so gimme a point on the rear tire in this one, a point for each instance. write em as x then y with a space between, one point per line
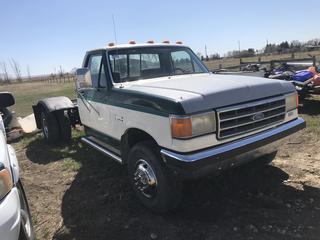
50 127
152 183
64 125
26 228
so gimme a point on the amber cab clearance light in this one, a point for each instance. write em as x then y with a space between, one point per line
179 42
132 42
166 41
150 41
111 44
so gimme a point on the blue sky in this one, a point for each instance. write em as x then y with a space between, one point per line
47 34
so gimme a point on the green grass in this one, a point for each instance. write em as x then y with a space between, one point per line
71 164
27 94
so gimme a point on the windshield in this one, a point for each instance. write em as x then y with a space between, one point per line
130 64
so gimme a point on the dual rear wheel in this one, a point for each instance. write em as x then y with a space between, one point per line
56 126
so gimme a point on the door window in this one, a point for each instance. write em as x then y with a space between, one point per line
94 65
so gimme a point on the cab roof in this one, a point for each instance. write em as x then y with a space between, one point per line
128 45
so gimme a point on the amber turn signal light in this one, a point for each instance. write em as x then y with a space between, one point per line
181 127
5 182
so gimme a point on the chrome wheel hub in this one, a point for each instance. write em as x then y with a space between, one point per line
145 179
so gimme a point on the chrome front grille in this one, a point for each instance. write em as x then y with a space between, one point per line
244 118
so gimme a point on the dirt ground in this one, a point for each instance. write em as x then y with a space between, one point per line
77 193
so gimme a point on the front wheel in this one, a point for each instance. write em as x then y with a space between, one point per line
152 183
26 228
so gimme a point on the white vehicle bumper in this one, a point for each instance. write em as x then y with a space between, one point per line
10 216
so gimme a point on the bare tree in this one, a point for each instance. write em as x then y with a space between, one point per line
61 72
28 72
5 72
16 69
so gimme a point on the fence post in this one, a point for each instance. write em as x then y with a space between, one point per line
240 64
314 61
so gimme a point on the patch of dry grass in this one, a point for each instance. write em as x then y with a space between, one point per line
28 93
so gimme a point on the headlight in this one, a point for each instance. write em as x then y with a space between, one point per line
5 181
191 126
292 102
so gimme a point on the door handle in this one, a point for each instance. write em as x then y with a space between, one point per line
119 118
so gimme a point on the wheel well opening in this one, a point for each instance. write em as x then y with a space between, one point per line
132 137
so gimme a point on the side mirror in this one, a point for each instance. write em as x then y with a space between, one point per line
6 100
83 78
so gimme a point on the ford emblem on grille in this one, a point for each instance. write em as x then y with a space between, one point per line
258 116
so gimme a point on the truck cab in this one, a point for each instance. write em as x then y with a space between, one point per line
156 108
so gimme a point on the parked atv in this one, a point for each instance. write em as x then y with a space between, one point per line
302 80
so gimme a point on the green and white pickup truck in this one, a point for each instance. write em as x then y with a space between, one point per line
157 109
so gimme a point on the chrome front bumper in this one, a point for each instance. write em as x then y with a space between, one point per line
231 154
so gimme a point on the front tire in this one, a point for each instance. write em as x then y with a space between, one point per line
152 183
26 228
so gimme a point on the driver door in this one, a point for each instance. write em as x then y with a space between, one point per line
92 99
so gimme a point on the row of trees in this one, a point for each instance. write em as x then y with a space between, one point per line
214 56
270 48
15 67
12 70
293 46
